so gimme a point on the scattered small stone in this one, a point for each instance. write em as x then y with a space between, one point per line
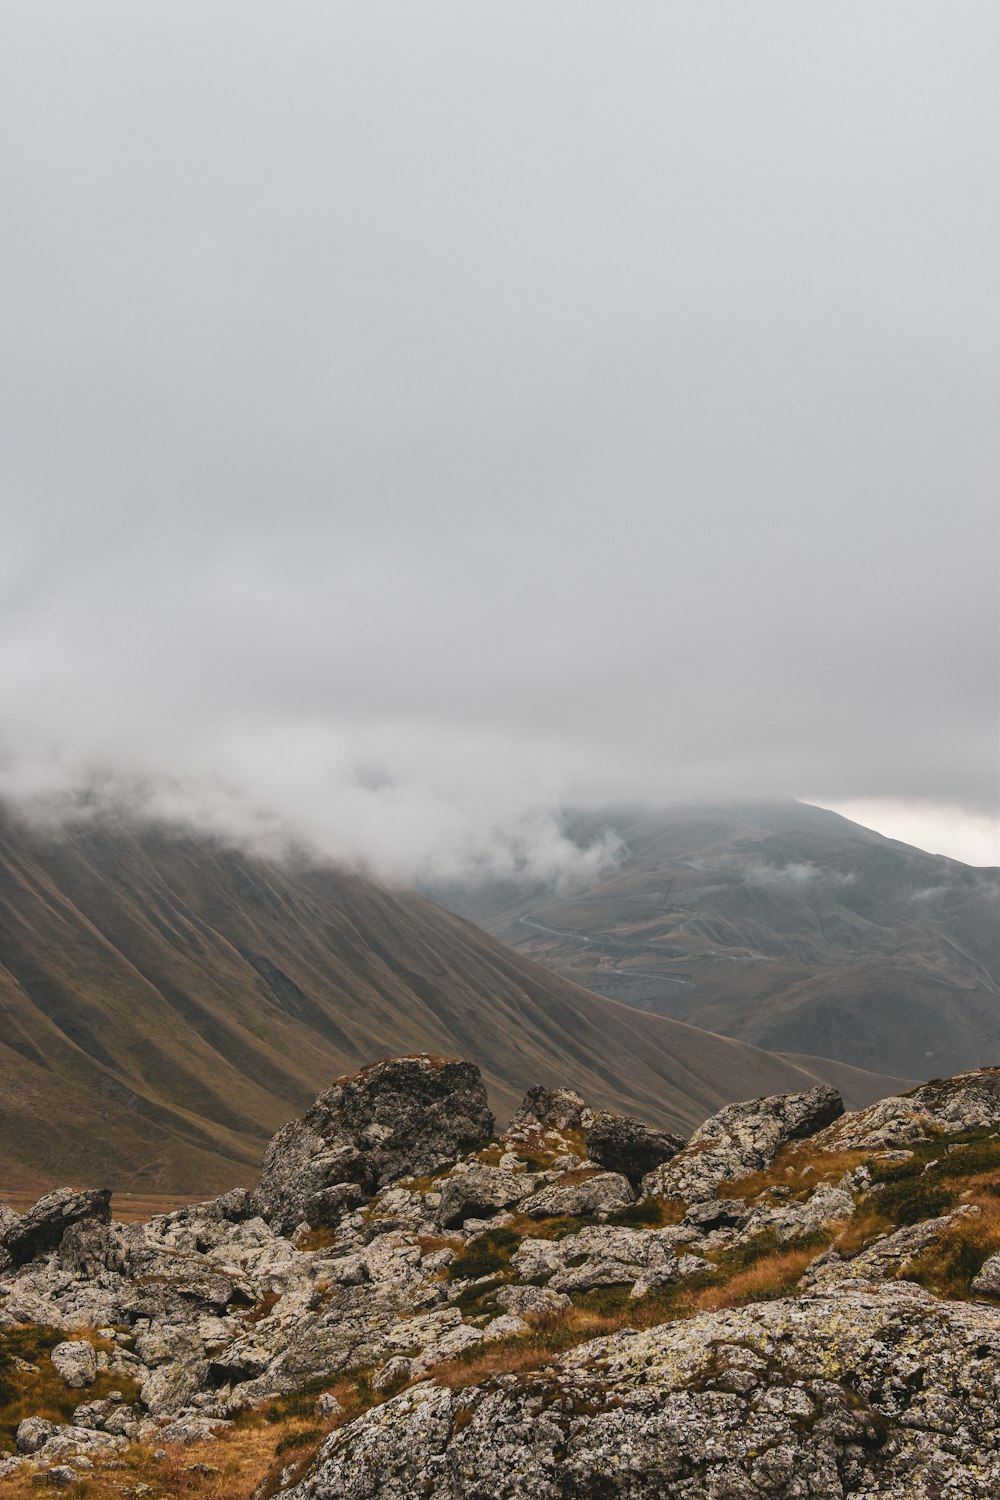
62 1476
76 1361
326 1406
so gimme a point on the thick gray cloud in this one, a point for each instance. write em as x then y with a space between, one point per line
416 417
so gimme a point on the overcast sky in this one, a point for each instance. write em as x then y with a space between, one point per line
415 418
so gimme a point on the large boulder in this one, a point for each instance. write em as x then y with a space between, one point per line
41 1229
987 1283
401 1117
76 1361
969 1101
33 1432
740 1139
630 1146
477 1191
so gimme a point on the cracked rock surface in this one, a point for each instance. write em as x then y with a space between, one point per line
862 1395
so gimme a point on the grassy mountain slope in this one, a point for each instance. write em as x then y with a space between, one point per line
787 926
165 1003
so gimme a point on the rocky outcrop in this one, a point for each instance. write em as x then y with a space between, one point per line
609 1256
796 1221
405 1116
987 1282
889 1258
969 1101
76 1361
630 1146
741 1139
553 1109
43 1226
891 1394
840 1373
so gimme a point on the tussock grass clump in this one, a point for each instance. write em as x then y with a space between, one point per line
317 1239
939 1177
261 1309
800 1167
949 1267
429 1243
485 1255
774 1274
649 1213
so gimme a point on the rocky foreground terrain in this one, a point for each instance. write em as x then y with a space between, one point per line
796 1302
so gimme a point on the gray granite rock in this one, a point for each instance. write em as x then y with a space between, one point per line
552 1109
987 1282
43 1226
402 1117
741 1139
476 1191
76 1361
602 1192
968 1101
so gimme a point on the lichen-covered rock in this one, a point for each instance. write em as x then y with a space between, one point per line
987 1283
532 1301
476 1191
740 1139
792 1221
43 1226
602 1192
969 1101
885 1259
76 1361
631 1147
402 1117
602 1255
892 1395
552 1109
325 1208
32 1432
717 1213
209 1310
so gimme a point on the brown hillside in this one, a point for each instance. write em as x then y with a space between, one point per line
165 1003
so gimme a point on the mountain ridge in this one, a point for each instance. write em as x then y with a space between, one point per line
785 925
166 1002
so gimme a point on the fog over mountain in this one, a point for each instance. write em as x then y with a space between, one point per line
416 422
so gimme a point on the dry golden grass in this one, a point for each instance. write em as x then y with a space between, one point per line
799 1167
429 1243
549 1337
650 1213
30 1386
774 1275
235 1463
951 1264
317 1239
